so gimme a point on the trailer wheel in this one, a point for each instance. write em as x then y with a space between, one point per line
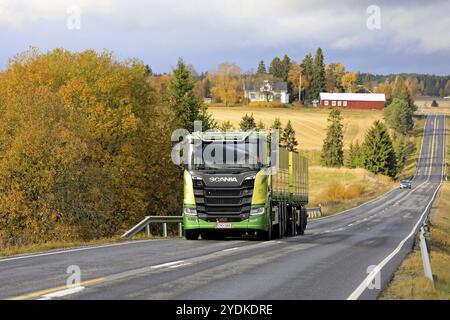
191 235
293 222
302 223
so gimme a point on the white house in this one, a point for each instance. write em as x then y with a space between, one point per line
266 91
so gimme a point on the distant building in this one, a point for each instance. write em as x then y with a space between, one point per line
266 91
363 101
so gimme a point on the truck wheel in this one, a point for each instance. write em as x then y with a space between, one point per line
191 235
293 222
302 223
266 235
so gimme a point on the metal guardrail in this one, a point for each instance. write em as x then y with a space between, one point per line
155 219
314 212
145 223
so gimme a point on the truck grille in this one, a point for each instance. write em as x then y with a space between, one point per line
224 201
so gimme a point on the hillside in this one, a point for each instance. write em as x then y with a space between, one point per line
309 124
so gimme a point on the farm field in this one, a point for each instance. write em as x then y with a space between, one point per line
309 124
424 105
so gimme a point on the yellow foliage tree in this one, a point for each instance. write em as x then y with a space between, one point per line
349 81
226 84
82 145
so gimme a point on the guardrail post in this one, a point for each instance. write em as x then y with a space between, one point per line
147 230
425 256
180 229
164 229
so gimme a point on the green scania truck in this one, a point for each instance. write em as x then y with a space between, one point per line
243 195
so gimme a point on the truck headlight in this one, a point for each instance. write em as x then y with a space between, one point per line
190 211
257 211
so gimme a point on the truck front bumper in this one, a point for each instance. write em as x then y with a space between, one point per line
256 223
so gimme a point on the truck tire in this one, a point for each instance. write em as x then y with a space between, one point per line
191 235
302 223
293 222
266 235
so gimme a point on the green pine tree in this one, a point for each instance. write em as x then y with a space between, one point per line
378 151
277 126
354 157
226 126
401 91
276 68
318 83
307 74
333 147
399 116
260 126
182 100
247 123
286 66
261 68
288 137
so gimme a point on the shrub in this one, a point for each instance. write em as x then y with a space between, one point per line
267 104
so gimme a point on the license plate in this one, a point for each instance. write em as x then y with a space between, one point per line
222 225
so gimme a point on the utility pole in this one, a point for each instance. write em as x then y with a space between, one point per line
300 87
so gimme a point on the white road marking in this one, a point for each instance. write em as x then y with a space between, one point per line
61 293
168 264
368 280
180 265
231 249
73 250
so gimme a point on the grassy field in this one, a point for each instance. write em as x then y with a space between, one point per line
424 105
339 189
309 123
409 281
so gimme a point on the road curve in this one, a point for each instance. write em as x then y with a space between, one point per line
333 260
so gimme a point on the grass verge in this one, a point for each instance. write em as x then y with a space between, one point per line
338 189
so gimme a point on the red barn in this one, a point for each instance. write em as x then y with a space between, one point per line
363 101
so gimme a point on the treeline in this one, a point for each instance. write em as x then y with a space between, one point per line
305 78
421 84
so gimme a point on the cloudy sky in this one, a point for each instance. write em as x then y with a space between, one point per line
409 36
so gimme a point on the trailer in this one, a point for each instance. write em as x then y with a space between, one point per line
243 198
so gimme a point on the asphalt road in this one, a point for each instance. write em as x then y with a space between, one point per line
331 261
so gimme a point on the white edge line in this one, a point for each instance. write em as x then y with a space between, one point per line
61 293
74 250
363 285
180 265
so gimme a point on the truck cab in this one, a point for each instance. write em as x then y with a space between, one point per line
229 189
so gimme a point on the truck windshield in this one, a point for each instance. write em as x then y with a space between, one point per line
226 155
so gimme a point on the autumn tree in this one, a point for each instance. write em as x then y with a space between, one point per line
350 81
332 154
399 116
333 77
226 83
82 140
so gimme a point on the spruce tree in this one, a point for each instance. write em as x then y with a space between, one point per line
260 126
285 67
261 68
277 126
354 157
185 104
318 83
288 137
333 147
401 91
307 74
247 123
378 151
276 68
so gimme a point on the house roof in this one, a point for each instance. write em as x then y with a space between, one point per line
255 86
353 96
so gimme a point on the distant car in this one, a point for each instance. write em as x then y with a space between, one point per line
405 184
